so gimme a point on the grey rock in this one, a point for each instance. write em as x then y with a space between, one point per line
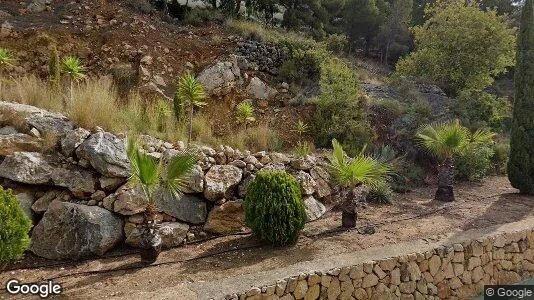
41 205
49 169
307 183
188 207
129 200
279 158
322 179
220 180
314 209
195 182
243 186
259 89
7 130
26 200
111 183
274 167
220 77
55 125
303 163
74 231
106 153
72 140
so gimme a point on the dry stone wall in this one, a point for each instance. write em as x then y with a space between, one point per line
456 271
86 173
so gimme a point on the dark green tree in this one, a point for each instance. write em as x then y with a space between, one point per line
394 36
521 164
362 21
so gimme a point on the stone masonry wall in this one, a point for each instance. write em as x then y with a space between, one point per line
457 271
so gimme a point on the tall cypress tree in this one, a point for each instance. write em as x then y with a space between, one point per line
521 164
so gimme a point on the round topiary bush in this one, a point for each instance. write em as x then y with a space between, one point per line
14 227
274 209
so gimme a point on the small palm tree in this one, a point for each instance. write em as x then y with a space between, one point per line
6 59
245 113
301 128
190 93
152 176
74 68
355 175
444 141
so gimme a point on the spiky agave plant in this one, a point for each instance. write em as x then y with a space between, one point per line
354 175
151 176
443 141
73 67
190 93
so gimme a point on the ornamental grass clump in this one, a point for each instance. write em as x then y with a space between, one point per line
14 228
274 209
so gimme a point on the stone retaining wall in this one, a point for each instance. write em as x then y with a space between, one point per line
455 271
85 173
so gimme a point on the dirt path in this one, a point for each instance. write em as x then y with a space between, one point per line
413 216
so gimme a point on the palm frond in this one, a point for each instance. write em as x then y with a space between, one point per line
178 172
6 58
73 66
143 167
444 139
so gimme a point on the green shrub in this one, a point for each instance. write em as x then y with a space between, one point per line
337 43
475 163
302 65
262 138
381 193
200 16
274 209
54 68
501 154
481 110
14 228
344 121
302 149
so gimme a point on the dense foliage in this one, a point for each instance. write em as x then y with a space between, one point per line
274 209
14 228
521 164
460 47
481 110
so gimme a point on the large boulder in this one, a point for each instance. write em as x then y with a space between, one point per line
306 182
74 231
16 142
226 218
48 169
314 209
41 205
25 117
221 77
259 89
129 200
106 153
322 179
195 182
173 234
220 180
188 207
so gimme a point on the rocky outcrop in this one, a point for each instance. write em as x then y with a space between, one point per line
259 89
226 218
72 140
221 77
47 169
219 181
73 231
106 153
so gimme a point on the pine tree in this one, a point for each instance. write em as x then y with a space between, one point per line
521 164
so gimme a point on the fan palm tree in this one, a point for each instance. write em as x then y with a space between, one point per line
445 140
355 175
151 177
190 93
74 68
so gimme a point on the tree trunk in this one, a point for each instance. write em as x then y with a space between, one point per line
445 190
351 197
190 125
150 240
